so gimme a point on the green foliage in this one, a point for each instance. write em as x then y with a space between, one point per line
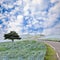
2 49
50 54
12 35
23 50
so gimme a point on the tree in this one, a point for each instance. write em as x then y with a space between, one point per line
12 35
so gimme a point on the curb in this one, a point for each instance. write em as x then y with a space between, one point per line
55 50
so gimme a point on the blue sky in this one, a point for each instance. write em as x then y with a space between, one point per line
30 16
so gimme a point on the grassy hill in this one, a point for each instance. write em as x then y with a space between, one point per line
22 50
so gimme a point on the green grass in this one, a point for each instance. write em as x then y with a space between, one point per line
22 50
52 39
50 54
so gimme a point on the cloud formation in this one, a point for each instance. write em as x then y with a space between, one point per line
32 16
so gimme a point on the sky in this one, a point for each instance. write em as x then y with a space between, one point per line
30 17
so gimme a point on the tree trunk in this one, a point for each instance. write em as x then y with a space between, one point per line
12 40
12 43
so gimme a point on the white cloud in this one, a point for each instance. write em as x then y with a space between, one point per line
52 31
47 31
48 18
0 26
52 16
16 25
1 1
35 6
19 2
55 9
52 1
56 30
20 18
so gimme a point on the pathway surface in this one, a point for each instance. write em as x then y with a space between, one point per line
56 46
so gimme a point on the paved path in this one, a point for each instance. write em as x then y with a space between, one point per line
56 46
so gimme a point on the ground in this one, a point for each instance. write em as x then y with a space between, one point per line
24 50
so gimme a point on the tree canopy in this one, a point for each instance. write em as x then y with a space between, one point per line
12 35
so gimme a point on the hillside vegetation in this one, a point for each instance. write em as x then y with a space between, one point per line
22 50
